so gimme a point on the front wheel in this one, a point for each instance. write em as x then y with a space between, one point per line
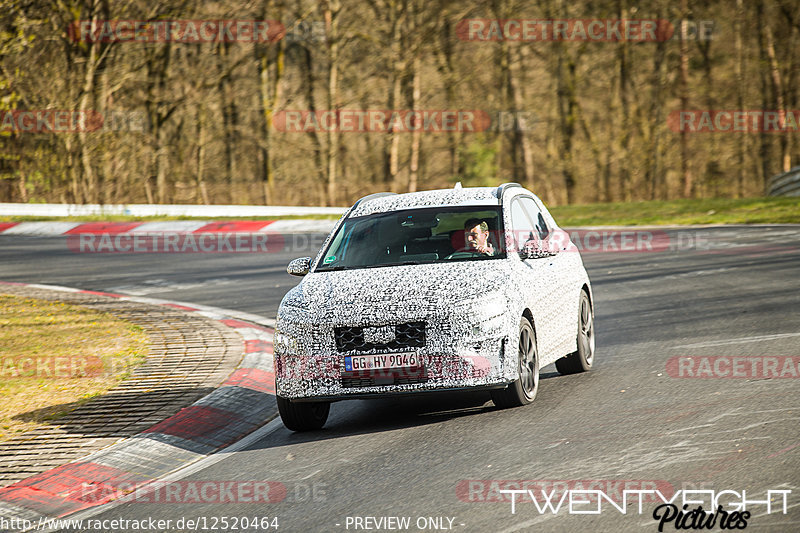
523 390
582 359
303 416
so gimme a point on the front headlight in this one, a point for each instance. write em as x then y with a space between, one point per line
483 307
485 314
284 343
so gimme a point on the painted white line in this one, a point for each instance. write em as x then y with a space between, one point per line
215 311
161 285
53 287
741 340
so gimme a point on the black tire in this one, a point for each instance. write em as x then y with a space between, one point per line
524 389
303 416
582 359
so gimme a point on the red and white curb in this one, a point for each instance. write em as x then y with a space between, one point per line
240 406
54 229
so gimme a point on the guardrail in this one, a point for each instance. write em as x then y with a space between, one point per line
786 184
149 210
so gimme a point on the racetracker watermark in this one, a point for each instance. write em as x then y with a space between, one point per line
180 31
176 243
583 30
51 367
614 241
734 121
66 121
534 30
734 367
183 492
382 121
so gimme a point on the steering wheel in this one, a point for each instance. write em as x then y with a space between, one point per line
464 254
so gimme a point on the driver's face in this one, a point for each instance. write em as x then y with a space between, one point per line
476 237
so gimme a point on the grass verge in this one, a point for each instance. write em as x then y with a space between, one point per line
55 357
127 218
693 211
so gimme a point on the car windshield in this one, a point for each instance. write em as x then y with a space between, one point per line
416 236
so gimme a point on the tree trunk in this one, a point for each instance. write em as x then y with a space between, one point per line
417 133
331 13
229 118
654 128
777 87
521 124
713 173
623 57
763 169
567 118
313 135
397 17
270 85
85 107
157 68
201 154
741 147
687 186
444 56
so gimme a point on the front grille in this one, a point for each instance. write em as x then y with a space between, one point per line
408 335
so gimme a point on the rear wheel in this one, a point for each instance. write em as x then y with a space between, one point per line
581 360
303 416
523 390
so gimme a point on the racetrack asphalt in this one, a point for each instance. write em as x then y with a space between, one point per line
726 292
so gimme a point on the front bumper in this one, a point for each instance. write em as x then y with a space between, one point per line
480 365
401 393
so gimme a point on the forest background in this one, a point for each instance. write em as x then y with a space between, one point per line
576 120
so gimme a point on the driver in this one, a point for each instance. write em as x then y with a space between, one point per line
476 236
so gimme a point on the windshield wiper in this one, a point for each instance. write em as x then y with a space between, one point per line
345 267
332 268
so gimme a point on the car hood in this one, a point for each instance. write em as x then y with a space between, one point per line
392 293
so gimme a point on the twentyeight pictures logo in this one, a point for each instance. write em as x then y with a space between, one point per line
681 508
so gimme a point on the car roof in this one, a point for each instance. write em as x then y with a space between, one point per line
385 202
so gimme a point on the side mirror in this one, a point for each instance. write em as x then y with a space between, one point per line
534 250
299 267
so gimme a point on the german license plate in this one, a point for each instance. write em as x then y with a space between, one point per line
380 361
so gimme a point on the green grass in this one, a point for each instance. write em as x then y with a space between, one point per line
695 211
38 332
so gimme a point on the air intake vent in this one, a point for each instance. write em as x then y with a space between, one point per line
356 339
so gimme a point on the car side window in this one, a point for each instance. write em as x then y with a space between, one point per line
535 215
522 225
